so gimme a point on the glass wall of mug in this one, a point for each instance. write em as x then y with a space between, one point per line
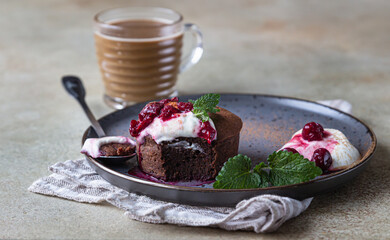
139 52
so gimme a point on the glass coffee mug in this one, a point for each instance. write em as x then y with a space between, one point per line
139 53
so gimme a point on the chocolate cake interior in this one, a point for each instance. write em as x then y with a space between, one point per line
183 158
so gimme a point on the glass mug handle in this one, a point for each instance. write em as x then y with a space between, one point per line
196 53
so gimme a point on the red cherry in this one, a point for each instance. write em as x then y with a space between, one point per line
151 110
313 131
322 158
165 101
185 106
168 112
290 150
133 128
207 131
142 125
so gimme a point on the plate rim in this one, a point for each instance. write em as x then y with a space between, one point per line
363 160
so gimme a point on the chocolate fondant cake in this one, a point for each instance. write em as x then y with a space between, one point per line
178 146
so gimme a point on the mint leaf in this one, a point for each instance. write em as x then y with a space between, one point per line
283 168
236 174
289 168
260 169
204 105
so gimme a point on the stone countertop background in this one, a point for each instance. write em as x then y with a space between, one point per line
307 49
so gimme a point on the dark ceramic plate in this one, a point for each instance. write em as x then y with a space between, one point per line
269 122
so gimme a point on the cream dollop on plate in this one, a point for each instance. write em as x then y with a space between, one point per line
342 151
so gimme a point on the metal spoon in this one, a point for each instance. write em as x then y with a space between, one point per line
74 87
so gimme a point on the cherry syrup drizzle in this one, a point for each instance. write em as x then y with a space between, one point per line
137 172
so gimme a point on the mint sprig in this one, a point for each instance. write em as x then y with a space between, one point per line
204 105
237 173
288 168
283 168
260 169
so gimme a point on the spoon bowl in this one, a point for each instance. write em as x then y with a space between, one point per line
74 86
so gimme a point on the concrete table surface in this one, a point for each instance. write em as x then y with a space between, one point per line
308 49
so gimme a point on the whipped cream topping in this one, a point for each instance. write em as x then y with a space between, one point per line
92 146
342 151
182 125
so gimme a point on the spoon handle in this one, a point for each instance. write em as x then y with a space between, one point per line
74 87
